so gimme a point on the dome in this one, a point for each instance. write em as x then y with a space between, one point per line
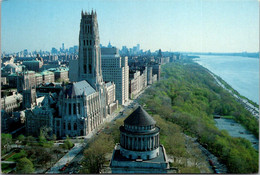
139 118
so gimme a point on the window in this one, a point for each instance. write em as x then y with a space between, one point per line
75 126
74 108
79 107
69 127
64 125
58 123
69 109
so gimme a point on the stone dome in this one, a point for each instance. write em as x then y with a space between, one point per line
139 137
139 118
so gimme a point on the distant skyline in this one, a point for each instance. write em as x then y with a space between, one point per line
170 25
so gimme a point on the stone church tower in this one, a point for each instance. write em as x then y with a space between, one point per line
89 62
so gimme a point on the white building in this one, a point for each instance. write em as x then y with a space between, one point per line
115 69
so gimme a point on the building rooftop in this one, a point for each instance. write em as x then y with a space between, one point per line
139 118
32 61
79 88
46 72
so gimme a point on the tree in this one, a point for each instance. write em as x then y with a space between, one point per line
67 143
30 140
21 138
24 166
54 137
6 141
95 154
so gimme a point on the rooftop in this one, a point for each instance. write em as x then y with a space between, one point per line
139 118
79 88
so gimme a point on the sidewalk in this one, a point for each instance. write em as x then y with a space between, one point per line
67 158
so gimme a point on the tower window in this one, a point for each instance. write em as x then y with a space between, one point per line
85 69
89 66
79 107
74 108
69 109
84 42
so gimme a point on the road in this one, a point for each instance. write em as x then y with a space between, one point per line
72 158
248 106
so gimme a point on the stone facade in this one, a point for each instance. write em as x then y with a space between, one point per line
33 65
89 62
40 117
112 103
48 76
79 108
137 82
61 75
139 150
12 102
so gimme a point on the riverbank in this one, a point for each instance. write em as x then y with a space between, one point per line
189 96
241 99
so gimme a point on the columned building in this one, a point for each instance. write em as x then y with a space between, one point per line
139 150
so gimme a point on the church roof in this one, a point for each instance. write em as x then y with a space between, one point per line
139 118
79 87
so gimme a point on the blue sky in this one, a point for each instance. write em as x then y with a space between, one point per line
176 25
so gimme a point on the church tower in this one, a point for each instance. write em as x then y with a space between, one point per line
89 62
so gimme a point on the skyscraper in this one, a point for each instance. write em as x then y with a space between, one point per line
115 68
89 50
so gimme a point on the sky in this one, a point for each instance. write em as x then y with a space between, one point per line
170 25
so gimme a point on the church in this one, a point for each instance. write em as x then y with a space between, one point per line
139 150
84 104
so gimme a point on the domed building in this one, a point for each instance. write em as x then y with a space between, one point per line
139 150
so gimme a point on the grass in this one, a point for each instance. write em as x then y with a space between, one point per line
6 168
17 156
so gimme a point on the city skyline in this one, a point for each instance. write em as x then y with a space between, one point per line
195 26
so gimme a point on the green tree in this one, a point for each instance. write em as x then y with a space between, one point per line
67 143
95 154
21 138
6 141
24 166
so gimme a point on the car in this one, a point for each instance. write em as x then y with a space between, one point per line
63 168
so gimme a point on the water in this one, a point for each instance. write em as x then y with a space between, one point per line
236 130
242 73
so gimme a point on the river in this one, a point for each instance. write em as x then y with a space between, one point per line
242 73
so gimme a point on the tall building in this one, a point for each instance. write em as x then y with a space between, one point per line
116 69
84 104
89 62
